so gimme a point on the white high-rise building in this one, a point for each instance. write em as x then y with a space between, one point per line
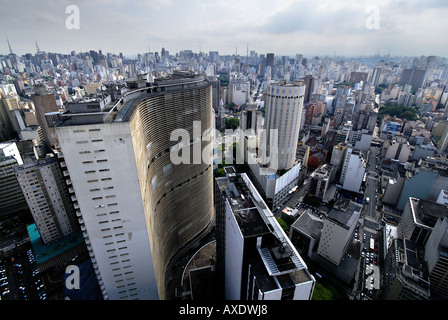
256 259
139 210
284 108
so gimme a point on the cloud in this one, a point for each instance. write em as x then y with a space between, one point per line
284 27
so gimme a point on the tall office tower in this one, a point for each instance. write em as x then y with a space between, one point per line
357 77
46 194
214 55
436 257
6 127
415 77
216 92
405 277
311 111
11 197
255 256
443 141
140 210
44 103
284 108
340 99
376 73
269 60
309 81
353 170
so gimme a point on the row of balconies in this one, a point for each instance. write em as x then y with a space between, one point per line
91 253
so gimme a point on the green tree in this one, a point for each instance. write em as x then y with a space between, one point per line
232 123
219 172
283 225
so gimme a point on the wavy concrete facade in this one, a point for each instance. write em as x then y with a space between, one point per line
178 199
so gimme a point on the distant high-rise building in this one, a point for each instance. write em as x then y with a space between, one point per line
141 211
415 77
284 108
11 197
376 74
45 103
47 196
270 60
309 81
357 77
6 127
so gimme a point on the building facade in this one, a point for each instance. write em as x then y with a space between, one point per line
47 197
258 261
284 108
139 208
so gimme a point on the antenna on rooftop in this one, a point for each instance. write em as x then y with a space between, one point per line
37 46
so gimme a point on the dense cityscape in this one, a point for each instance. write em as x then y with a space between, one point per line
198 176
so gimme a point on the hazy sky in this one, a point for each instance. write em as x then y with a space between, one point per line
285 27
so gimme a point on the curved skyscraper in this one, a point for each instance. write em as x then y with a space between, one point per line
284 107
138 208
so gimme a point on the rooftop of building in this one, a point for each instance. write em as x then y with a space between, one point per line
117 104
309 224
344 212
44 252
38 163
322 172
410 267
199 278
427 212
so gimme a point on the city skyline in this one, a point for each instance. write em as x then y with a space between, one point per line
286 27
